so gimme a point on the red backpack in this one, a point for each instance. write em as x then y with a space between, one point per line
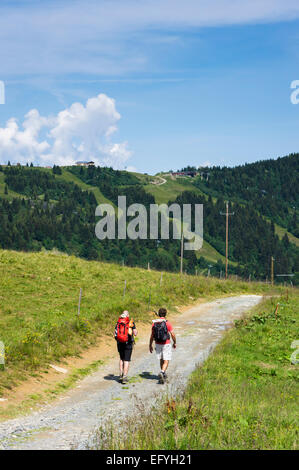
122 330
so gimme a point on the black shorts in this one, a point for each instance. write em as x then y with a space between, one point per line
125 351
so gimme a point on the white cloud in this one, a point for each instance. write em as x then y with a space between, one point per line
76 133
105 37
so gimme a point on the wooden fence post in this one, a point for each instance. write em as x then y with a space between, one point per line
79 304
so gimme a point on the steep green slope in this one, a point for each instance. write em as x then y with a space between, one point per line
70 177
211 254
11 194
280 231
163 193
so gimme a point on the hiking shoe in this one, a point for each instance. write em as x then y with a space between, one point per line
124 380
121 377
161 378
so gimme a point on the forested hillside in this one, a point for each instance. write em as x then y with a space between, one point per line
269 186
55 208
252 239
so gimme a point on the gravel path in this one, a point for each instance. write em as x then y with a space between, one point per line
68 422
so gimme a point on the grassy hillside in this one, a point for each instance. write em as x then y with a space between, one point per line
39 298
245 396
280 231
211 254
270 186
11 194
60 209
69 177
65 176
163 193
170 190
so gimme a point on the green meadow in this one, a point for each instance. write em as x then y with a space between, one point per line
39 293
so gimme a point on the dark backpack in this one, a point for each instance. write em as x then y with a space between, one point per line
161 334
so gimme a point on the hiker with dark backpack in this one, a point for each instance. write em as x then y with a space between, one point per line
162 330
125 331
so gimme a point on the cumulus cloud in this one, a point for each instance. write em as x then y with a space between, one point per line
76 133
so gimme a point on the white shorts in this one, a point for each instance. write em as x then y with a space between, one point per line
163 351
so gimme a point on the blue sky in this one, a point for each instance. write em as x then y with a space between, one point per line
193 82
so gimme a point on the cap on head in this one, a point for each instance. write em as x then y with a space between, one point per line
162 312
125 314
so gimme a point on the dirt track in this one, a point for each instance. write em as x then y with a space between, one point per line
69 422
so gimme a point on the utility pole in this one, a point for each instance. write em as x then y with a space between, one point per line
227 214
182 252
272 270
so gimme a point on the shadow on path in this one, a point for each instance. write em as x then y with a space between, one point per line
148 376
112 377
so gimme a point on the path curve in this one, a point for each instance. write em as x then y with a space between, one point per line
163 181
68 423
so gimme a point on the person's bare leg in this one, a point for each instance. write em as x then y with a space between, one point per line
161 363
121 367
164 366
126 367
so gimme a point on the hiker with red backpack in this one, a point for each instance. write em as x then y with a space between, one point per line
161 332
125 331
